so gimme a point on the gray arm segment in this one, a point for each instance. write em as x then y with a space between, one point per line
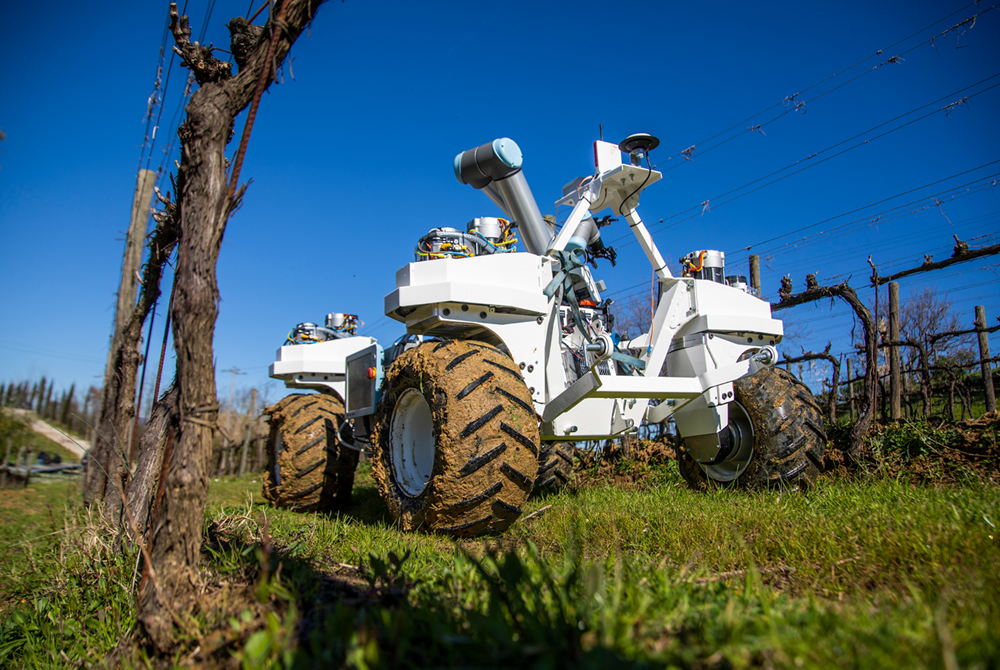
496 168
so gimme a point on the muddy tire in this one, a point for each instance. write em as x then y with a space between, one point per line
788 438
555 466
455 440
308 469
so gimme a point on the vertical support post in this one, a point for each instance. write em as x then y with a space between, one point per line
128 288
232 385
850 388
246 440
755 274
6 462
834 391
20 459
895 375
984 359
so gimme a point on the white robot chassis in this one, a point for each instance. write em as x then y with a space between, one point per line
508 356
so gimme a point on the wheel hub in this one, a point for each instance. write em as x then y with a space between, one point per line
741 450
411 442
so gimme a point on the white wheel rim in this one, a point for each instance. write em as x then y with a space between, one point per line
411 442
742 453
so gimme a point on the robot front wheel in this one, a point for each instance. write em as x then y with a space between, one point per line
455 440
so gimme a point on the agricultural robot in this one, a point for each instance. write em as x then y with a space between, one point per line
511 357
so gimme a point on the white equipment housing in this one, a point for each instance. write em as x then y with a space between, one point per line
704 335
318 365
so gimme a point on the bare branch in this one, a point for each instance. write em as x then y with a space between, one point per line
205 66
850 296
961 254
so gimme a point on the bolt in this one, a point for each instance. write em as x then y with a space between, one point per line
521 364
539 320
446 311
531 368
482 315
465 308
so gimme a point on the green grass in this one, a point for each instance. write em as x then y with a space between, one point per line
65 593
867 572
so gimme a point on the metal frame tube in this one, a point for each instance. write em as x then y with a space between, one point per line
523 208
580 211
648 246
493 193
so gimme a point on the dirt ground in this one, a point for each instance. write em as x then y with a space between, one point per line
630 464
910 451
922 454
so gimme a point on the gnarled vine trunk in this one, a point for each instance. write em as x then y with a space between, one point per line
170 580
850 296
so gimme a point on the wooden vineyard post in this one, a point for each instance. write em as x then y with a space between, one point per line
850 389
984 359
246 440
755 274
6 464
20 459
895 376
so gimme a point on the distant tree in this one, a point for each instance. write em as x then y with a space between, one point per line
64 416
40 401
926 313
632 316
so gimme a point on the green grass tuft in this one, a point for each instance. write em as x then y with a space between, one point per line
867 571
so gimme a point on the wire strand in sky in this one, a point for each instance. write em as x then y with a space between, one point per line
869 217
792 106
877 202
707 205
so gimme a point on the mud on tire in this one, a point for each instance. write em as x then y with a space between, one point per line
455 439
789 441
555 465
308 469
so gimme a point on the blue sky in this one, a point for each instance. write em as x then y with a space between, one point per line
351 160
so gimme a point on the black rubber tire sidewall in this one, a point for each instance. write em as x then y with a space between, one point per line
789 438
482 474
555 465
312 471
